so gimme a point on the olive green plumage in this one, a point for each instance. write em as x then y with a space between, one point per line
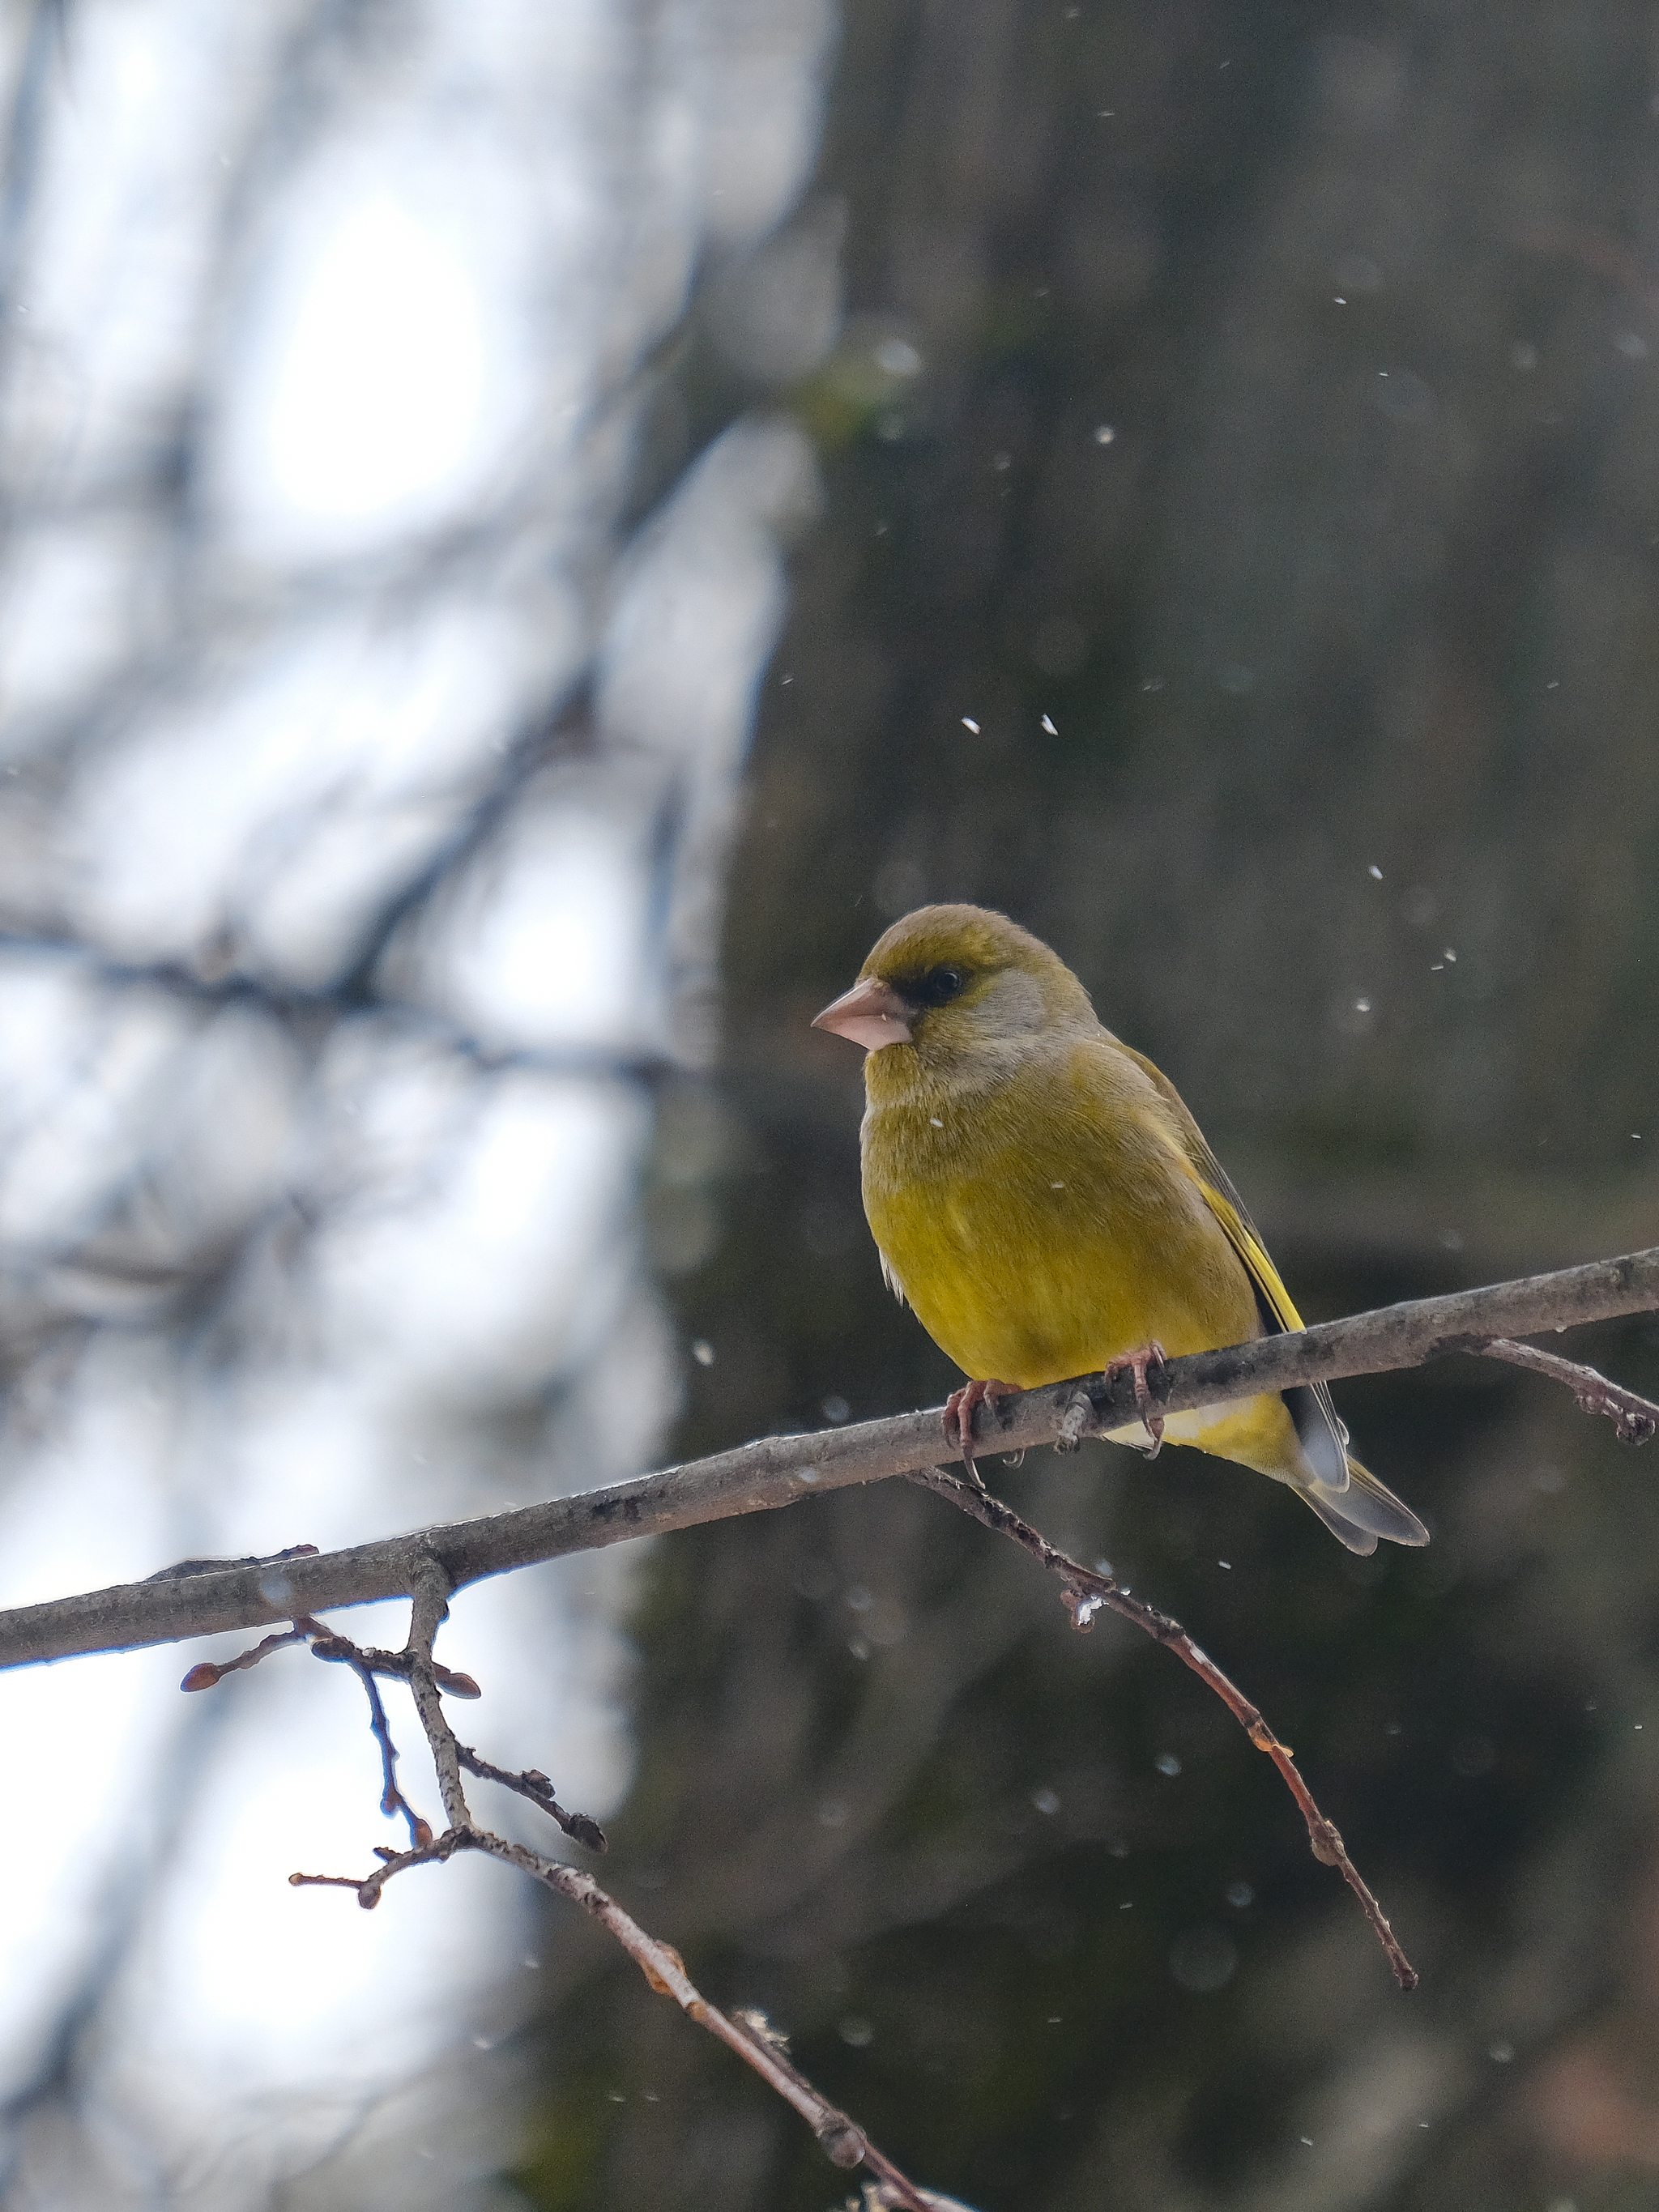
1044 1201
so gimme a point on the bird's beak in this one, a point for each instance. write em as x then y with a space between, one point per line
872 1014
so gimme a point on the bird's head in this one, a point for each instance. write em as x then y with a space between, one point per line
952 981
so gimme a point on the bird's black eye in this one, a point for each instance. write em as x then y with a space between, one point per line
939 984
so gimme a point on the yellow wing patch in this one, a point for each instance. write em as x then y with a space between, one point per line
1324 1438
1223 1203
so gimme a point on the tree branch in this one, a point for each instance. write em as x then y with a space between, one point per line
844 2143
430 1608
1084 1591
1634 1419
776 1471
392 1800
534 1784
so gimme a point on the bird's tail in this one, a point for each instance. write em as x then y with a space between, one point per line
1365 1510
1347 1497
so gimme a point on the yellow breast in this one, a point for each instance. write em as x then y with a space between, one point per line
1039 1225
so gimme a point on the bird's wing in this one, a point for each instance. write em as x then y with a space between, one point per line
1323 1434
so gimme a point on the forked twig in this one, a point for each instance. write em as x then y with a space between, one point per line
435 1849
535 1785
363 1656
1084 1592
1635 1419
842 2140
365 1663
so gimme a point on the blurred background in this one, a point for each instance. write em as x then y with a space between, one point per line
531 534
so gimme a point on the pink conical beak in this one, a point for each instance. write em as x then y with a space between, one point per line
872 1014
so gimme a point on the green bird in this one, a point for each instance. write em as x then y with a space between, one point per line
1046 1204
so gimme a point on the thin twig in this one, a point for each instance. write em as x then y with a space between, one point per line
366 1663
435 1849
429 1608
1635 1419
397 1664
776 1471
1084 1592
339 1650
535 1785
843 2141
206 1673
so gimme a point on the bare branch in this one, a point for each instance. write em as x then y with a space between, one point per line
392 1800
535 1785
397 1664
1636 1419
776 1471
368 1889
1084 1592
366 1663
843 2141
207 1673
431 1607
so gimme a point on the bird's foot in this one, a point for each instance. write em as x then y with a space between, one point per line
1137 1362
959 1410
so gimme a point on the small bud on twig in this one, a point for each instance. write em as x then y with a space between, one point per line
843 2144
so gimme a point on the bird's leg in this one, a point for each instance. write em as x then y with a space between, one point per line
1138 1362
959 1410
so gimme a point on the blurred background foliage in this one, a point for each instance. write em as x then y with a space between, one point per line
1237 560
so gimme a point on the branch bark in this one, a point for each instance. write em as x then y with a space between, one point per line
1083 1590
844 2143
777 1471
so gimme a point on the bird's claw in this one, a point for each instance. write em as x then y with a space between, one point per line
1137 1362
959 1410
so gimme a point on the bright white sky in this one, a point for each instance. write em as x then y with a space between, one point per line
394 292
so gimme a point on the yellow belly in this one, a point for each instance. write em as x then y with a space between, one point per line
1029 1261
1033 1277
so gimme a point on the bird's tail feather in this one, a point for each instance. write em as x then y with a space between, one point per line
1366 1509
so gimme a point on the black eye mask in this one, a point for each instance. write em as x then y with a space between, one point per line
936 989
